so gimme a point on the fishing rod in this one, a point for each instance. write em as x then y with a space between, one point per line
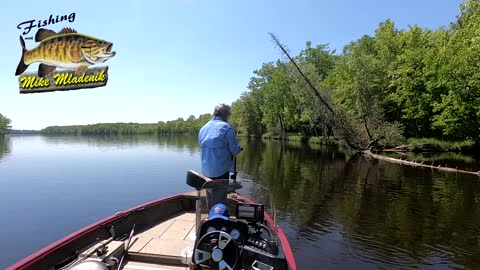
126 249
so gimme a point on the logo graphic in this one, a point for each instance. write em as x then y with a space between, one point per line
72 53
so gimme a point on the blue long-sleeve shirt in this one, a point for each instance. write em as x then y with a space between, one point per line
218 143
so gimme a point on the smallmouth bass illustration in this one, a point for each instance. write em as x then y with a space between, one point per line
66 49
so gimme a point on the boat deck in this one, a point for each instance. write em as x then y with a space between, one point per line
165 242
161 247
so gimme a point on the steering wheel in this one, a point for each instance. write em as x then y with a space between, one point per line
217 250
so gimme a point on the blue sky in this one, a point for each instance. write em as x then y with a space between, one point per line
178 58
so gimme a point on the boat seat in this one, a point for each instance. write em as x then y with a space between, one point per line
198 181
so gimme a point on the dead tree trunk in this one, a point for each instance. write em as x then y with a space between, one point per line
345 129
366 128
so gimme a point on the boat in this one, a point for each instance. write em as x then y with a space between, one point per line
174 233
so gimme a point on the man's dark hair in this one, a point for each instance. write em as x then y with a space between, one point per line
221 110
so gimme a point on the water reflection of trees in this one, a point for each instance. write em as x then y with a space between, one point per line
5 146
385 210
186 143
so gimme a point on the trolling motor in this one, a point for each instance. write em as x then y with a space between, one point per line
233 176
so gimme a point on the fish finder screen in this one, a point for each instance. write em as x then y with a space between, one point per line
251 212
246 211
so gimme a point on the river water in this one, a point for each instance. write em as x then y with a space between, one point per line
338 211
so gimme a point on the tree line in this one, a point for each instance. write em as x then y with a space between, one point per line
397 83
179 126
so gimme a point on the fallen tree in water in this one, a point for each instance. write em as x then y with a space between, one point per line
359 133
364 133
417 164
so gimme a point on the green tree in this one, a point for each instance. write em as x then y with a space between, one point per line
411 94
246 115
458 112
4 124
317 63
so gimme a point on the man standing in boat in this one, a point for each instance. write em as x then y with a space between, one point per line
218 144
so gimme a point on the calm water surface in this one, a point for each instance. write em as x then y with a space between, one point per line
339 212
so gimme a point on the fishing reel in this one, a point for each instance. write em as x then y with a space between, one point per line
109 263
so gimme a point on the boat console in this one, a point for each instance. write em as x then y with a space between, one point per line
237 244
244 241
